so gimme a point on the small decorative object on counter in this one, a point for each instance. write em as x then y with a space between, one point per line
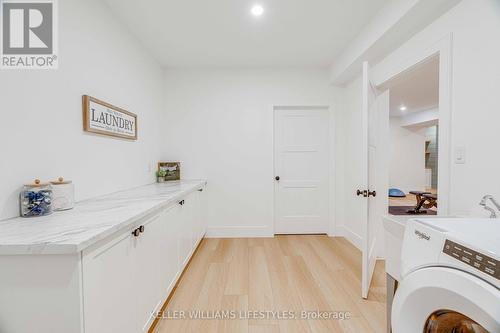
36 199
63 194
172 169
160 176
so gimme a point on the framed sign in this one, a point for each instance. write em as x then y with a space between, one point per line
103 118
172 170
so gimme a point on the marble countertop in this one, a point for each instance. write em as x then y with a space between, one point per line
90 221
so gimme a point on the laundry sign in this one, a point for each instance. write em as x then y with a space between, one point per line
103 118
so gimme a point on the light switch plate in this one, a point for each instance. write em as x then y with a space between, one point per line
460 155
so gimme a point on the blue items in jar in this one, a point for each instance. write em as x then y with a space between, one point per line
36 199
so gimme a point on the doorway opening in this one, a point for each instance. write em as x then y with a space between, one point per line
375 155
414 141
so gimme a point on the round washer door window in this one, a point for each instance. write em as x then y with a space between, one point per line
445 300
447 321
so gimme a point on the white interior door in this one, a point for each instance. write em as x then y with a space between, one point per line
375 174
301 150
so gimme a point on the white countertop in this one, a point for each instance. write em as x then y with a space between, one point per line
90 221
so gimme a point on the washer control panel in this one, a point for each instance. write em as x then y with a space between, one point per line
473 258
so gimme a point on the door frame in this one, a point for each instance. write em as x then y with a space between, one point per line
331 147
384 76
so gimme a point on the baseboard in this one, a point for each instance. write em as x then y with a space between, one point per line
239 232
351 236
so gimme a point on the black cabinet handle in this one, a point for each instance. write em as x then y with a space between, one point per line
141 228
136 232
181 202
277 178
200 190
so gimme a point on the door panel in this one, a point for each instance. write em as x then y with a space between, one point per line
302 164
375 174
368 98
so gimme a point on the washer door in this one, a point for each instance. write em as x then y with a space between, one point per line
445 300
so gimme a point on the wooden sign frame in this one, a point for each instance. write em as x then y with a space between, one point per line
87 127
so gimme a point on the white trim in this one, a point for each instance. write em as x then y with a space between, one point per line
382 77
331 228
332 195
244 231
350 236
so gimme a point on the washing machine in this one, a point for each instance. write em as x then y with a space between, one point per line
450 282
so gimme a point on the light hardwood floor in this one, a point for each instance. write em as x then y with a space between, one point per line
285 273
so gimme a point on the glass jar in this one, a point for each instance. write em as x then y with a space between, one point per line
36 199
63 194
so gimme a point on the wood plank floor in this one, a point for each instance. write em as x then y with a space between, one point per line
285 273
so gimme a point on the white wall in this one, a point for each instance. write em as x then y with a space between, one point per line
219 124
426 118
348 150
475 25
407 157
41 129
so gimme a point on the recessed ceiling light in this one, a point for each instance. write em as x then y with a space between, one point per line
402 108
257 10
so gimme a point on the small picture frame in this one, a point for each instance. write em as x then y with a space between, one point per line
172 169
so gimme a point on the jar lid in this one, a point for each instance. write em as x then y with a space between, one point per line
36 183
60 181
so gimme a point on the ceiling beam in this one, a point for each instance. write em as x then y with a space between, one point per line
390 28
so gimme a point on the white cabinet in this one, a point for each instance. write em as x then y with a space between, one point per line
123 279
168 250
200 216
108 287
186 226
114 285
127 279
147 262
192 225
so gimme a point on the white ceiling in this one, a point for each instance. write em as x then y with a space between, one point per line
418 90
223 33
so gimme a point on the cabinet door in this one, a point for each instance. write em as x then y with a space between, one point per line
169 253
193 220
147 274
201 213
186 230
108 289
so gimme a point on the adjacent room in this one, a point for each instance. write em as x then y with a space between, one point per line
253 166
414 141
